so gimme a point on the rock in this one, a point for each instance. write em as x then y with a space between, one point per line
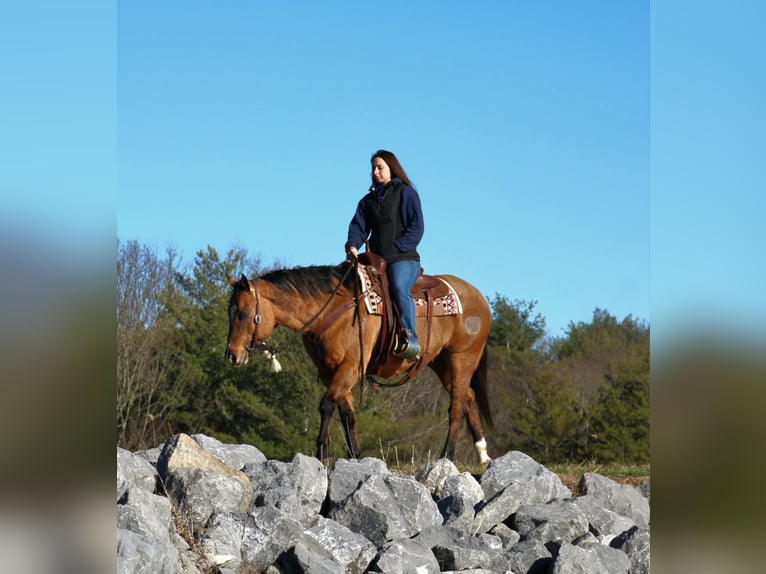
644 488
267 533
346 476
222 539
272 516
456 550
387 508
234 455
349 549
460 495
308 556
434 474
635 543
604 523
145 513
590 559
620 498
508 537
133 472
403 556
495 510
298 488
139 554
542 484
200 484
552 524
529 557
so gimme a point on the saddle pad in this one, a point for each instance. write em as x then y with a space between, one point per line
446 303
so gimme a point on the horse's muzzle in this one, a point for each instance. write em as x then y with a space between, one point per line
236 358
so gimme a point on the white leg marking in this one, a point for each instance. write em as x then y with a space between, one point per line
481 450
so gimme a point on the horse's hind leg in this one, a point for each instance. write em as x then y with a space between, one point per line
456 381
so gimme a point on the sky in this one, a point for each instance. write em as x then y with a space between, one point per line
524 127
581 155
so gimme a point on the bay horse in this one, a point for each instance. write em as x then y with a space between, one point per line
340 336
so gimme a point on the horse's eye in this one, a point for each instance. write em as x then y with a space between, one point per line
232 312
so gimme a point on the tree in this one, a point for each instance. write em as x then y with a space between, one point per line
147 346
620 422
549 419
516 330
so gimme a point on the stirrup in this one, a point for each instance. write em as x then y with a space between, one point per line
401 344
411 352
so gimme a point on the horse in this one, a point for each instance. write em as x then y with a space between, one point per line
324 304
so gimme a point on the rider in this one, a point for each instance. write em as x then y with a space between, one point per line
391 216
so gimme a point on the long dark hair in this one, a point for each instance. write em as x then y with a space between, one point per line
393 164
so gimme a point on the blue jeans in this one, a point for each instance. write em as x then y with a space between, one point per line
401 277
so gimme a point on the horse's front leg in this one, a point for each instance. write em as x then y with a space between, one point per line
326 410
348 420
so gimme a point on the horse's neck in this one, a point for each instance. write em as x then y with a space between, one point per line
290 309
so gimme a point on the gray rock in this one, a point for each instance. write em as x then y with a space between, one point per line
644 488
501 506
530 557
456 550
590 559
150 455
620 498
200 484
360 517
347 475
604 523
308 557
635 543
222 539
234 455
554 523
405 556
508 537
298 488
139 554
133 472
349 549
460 495
515 466
145 513
267 533
387 508
434 474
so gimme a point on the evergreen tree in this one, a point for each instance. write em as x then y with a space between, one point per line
548 422
620 423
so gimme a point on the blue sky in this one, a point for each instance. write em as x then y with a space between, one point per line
524 128
605 155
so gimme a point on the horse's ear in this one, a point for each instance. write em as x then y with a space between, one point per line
245 282
231 280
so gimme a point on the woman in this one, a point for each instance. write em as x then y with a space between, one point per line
391 216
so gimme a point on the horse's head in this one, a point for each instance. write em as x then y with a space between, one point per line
247 328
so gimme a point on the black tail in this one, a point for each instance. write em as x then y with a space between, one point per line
479 386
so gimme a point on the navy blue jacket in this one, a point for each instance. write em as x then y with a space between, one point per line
409 226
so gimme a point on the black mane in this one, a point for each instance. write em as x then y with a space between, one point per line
310 280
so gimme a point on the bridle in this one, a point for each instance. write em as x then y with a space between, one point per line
255 345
